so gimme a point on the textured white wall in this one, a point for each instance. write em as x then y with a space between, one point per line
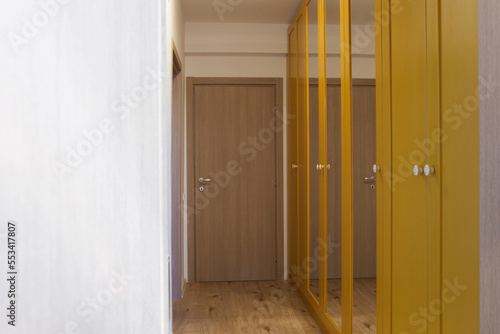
489 70
82 126
236 38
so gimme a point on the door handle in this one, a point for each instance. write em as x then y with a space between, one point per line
417 170
202 180
428 170
370 179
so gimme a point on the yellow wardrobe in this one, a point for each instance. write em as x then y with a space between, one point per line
424 174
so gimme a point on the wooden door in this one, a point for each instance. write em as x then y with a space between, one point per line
235 152
409 199
364 151
334 188
364 193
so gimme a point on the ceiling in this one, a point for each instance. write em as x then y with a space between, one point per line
265 11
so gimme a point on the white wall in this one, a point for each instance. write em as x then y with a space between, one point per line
363 51
175 34
235 38
178 30
363 67
91 231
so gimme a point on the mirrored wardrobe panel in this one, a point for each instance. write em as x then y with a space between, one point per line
364 156
314 177
333 152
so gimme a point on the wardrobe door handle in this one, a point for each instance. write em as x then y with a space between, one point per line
428 170
417 170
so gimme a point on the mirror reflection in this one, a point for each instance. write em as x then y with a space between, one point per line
334 218
364 156
312 15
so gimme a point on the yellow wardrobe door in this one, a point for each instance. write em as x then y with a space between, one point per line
409 122
460 161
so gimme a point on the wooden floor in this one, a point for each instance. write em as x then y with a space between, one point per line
242 307
364 303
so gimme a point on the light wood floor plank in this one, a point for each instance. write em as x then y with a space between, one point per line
265 307
242 307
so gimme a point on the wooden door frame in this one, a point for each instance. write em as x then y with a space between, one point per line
191 221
